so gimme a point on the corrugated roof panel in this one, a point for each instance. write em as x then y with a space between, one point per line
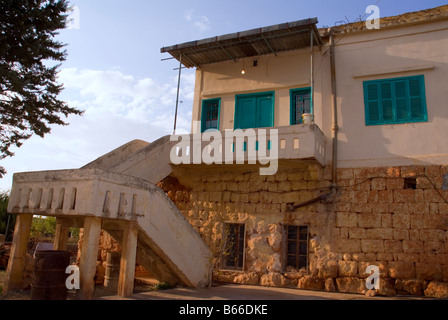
271 39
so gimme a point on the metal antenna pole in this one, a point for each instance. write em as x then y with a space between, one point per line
178 91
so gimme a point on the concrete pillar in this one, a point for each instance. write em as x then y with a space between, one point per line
61 235
17 257
89 257
128 259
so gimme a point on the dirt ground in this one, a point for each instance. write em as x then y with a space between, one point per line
140 286
2 280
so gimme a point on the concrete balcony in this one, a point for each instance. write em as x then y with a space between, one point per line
298 142
302 142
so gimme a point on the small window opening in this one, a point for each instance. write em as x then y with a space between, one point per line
233 257
296 246
255 63
445 183
410 183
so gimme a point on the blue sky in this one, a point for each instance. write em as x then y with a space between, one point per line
114 70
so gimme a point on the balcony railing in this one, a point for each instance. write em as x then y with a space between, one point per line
250 145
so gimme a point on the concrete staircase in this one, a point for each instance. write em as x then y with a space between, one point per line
150 162
168 246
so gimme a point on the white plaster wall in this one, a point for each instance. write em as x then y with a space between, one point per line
287 70
391 53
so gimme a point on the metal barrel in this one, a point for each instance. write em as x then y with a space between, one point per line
49 275
112 271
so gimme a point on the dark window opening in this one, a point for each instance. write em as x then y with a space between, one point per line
410 183
445 183
234 246
255 63
296 246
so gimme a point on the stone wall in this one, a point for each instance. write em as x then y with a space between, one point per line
382 220
372 220
106 245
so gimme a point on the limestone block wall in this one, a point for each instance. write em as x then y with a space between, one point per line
378 217
210 198
107 245
395 218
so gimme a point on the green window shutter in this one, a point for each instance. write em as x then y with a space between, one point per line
398 100
386 102
414 87
264 112
245 114
372 102
416 100
401 100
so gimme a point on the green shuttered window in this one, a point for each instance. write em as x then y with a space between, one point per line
398 100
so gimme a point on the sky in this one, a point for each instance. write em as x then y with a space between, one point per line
115 73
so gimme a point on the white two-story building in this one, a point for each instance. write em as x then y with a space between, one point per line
354 123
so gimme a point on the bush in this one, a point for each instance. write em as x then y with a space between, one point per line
43 227
4 198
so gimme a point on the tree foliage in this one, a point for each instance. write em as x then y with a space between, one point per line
29 62
4 198
43 227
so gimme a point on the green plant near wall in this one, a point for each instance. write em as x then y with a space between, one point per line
163 286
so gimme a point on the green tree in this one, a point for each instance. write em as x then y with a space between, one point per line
29 61
43 227
4 217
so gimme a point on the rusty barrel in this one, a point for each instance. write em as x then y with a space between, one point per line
49 275
112 271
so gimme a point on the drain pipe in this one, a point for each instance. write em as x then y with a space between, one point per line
335 129
292 207
335 114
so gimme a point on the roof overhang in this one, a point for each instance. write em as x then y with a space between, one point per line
268 40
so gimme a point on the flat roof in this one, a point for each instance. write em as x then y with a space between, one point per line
250 43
